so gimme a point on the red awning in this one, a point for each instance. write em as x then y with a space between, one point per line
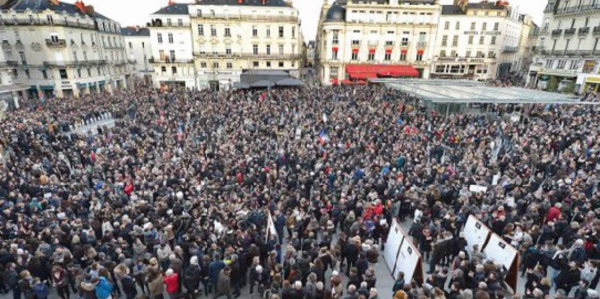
335 81
371 50
335 49
404 51
420 52
361 82
355 50
367 71
346 81
388 51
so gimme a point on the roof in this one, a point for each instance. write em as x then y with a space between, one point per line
336 13
456 9
173 9
280 3
386 2
467 91
130 31
40 5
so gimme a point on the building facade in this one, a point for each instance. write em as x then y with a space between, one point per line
232 36
355 37
478 41
63 50
139 52
171 44
567 49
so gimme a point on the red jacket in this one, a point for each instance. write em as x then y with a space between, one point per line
172 283
553 214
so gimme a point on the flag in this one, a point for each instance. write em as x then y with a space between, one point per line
323 136
271 231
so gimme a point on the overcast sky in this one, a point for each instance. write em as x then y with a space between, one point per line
136 12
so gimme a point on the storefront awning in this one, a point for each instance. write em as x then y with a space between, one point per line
370 71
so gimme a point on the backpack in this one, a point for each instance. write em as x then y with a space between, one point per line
40 291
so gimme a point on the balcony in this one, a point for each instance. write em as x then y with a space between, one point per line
577 9
249 56
570 31
46 22
510 49
167 60
421 45
255 17
597 30
12 63
74 63
373 43
583 30
160 24
556 32
56 43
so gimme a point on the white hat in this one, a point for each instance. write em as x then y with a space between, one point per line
169 272
194 260
335 273
259 269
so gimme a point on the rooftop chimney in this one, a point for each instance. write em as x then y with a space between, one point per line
80 5
264 2
240 1
171 2
55 2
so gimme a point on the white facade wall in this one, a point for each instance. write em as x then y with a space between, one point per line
63 55
173 39
139 49
231 39
568 46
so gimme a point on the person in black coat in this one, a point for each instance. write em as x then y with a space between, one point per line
569 278
351 251
129 287
192 278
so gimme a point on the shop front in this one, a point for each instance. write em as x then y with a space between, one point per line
591 83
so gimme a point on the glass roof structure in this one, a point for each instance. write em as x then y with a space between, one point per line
466 91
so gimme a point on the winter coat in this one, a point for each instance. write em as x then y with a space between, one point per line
224 283
172 283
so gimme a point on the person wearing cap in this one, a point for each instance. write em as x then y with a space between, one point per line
191 279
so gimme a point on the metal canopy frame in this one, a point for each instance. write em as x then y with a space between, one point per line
465 92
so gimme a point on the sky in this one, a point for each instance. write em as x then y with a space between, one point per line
137 12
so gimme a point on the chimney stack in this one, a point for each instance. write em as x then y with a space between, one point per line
240 1
264 2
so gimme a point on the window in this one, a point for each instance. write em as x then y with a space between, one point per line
493 40
549 63
468 54
405 41
335 34
333 72
422 36
45 74
440 68
159 37
200 29
268 64
255 64
203 64
491 54
172 55
457 27
293 49
268 31
387 56
78 73
444 41
180 22
280 49
470 40
389 43
170 36
229 65
455 41
215 65
162 69
89 72
481 40
496 26
169 23
254 31
63 74
255 49
334 55
293 32
484 26
354 55
199 13
447 25
473 25
228 50
227 32
443 53
213 30
355 42
23 58
403 56
419 56
161 54
561 64
130 45
371 56
280 31
268 50
479 54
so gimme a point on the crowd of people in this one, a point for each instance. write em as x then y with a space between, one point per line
290 193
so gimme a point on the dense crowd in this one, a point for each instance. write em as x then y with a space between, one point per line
175 199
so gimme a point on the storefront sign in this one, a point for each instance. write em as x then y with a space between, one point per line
474 32
588 66
592 79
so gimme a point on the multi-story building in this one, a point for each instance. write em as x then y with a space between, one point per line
568 50
62 49
10 90
232 36
529 35
477 40
139 50
171 44
358 40
310 53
